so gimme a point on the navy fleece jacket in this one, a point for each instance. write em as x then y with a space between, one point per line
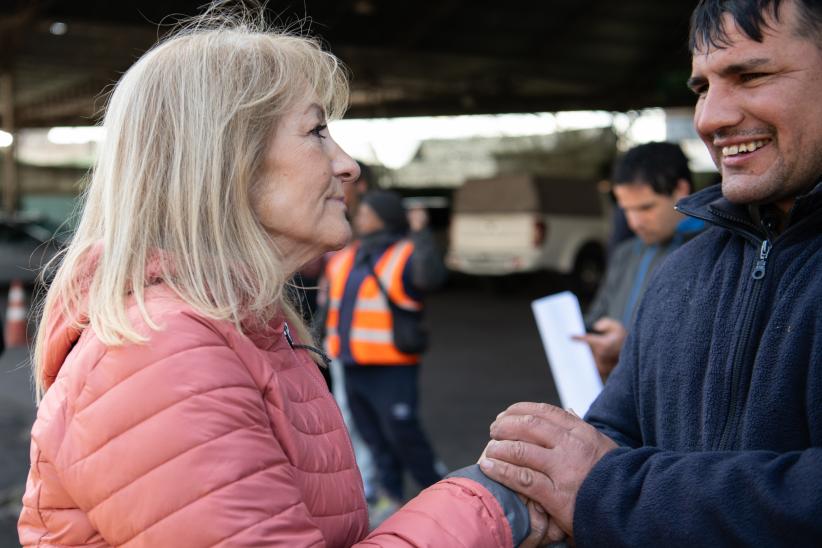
717 400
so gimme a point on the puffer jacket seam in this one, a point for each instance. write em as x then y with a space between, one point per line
439 524
322 472
338 514
255 524
309 400
158 465
61 544
138 371
267 388
186 505
316 434
154 414
51 509
39 460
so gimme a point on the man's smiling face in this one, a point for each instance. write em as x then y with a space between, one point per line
758 110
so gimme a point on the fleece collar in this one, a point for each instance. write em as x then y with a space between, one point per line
709 205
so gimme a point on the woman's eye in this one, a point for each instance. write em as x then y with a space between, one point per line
318 131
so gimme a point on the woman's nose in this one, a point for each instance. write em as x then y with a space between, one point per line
345 167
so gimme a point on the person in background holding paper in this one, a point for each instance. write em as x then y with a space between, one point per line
709 433
381 381
647 182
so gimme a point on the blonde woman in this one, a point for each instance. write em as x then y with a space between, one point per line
181 400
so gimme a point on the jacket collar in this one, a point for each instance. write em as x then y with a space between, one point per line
68 320
710 205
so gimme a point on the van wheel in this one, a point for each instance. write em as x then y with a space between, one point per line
589 268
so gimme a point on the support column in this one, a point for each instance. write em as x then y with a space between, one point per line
11 189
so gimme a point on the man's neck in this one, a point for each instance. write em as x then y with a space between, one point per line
771 217
785 206
781 209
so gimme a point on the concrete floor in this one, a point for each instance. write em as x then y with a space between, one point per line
485 355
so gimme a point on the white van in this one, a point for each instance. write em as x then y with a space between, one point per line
523 223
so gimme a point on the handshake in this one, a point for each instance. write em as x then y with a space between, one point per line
544 453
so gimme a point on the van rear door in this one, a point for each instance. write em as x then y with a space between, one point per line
494 226
494 243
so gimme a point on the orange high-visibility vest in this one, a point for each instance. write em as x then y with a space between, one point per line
371 338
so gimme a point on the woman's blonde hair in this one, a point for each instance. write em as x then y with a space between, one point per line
187 127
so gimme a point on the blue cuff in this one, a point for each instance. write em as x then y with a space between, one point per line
514 509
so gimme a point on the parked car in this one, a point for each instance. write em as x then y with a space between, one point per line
521 223
26 245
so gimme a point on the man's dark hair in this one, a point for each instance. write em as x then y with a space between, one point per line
707 28
660 165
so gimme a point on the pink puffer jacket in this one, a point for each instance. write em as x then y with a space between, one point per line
204 436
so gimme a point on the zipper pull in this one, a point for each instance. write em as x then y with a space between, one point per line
287 333
759 269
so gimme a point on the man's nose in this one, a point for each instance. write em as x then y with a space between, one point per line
716 111
634 220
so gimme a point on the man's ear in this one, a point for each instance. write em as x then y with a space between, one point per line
682 189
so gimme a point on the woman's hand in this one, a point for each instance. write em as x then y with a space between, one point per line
544 530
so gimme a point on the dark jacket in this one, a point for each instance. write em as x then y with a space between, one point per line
717 400
629 271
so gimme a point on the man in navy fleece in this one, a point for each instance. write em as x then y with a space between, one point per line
709 432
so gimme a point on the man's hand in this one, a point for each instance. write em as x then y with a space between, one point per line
545 454
544 530
605 344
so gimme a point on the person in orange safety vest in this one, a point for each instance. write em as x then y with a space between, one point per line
381 382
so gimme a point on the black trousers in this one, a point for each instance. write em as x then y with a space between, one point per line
383 403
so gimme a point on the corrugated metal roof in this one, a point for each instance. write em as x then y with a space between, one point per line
407 58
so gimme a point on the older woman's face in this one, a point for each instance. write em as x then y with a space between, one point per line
299 197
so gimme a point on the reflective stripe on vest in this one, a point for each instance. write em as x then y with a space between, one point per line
371 339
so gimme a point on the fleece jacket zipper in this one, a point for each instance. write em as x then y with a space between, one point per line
740 383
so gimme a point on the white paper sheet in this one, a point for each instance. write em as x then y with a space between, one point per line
572 363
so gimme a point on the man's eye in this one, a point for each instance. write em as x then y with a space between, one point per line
699 90
749 76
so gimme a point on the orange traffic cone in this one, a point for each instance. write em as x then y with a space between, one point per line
16 316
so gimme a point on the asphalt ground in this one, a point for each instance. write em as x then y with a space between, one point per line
485 354
16 416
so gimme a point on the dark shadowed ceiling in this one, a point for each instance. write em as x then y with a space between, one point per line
407 58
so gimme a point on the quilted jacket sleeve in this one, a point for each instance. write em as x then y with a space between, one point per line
170 444
465 510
